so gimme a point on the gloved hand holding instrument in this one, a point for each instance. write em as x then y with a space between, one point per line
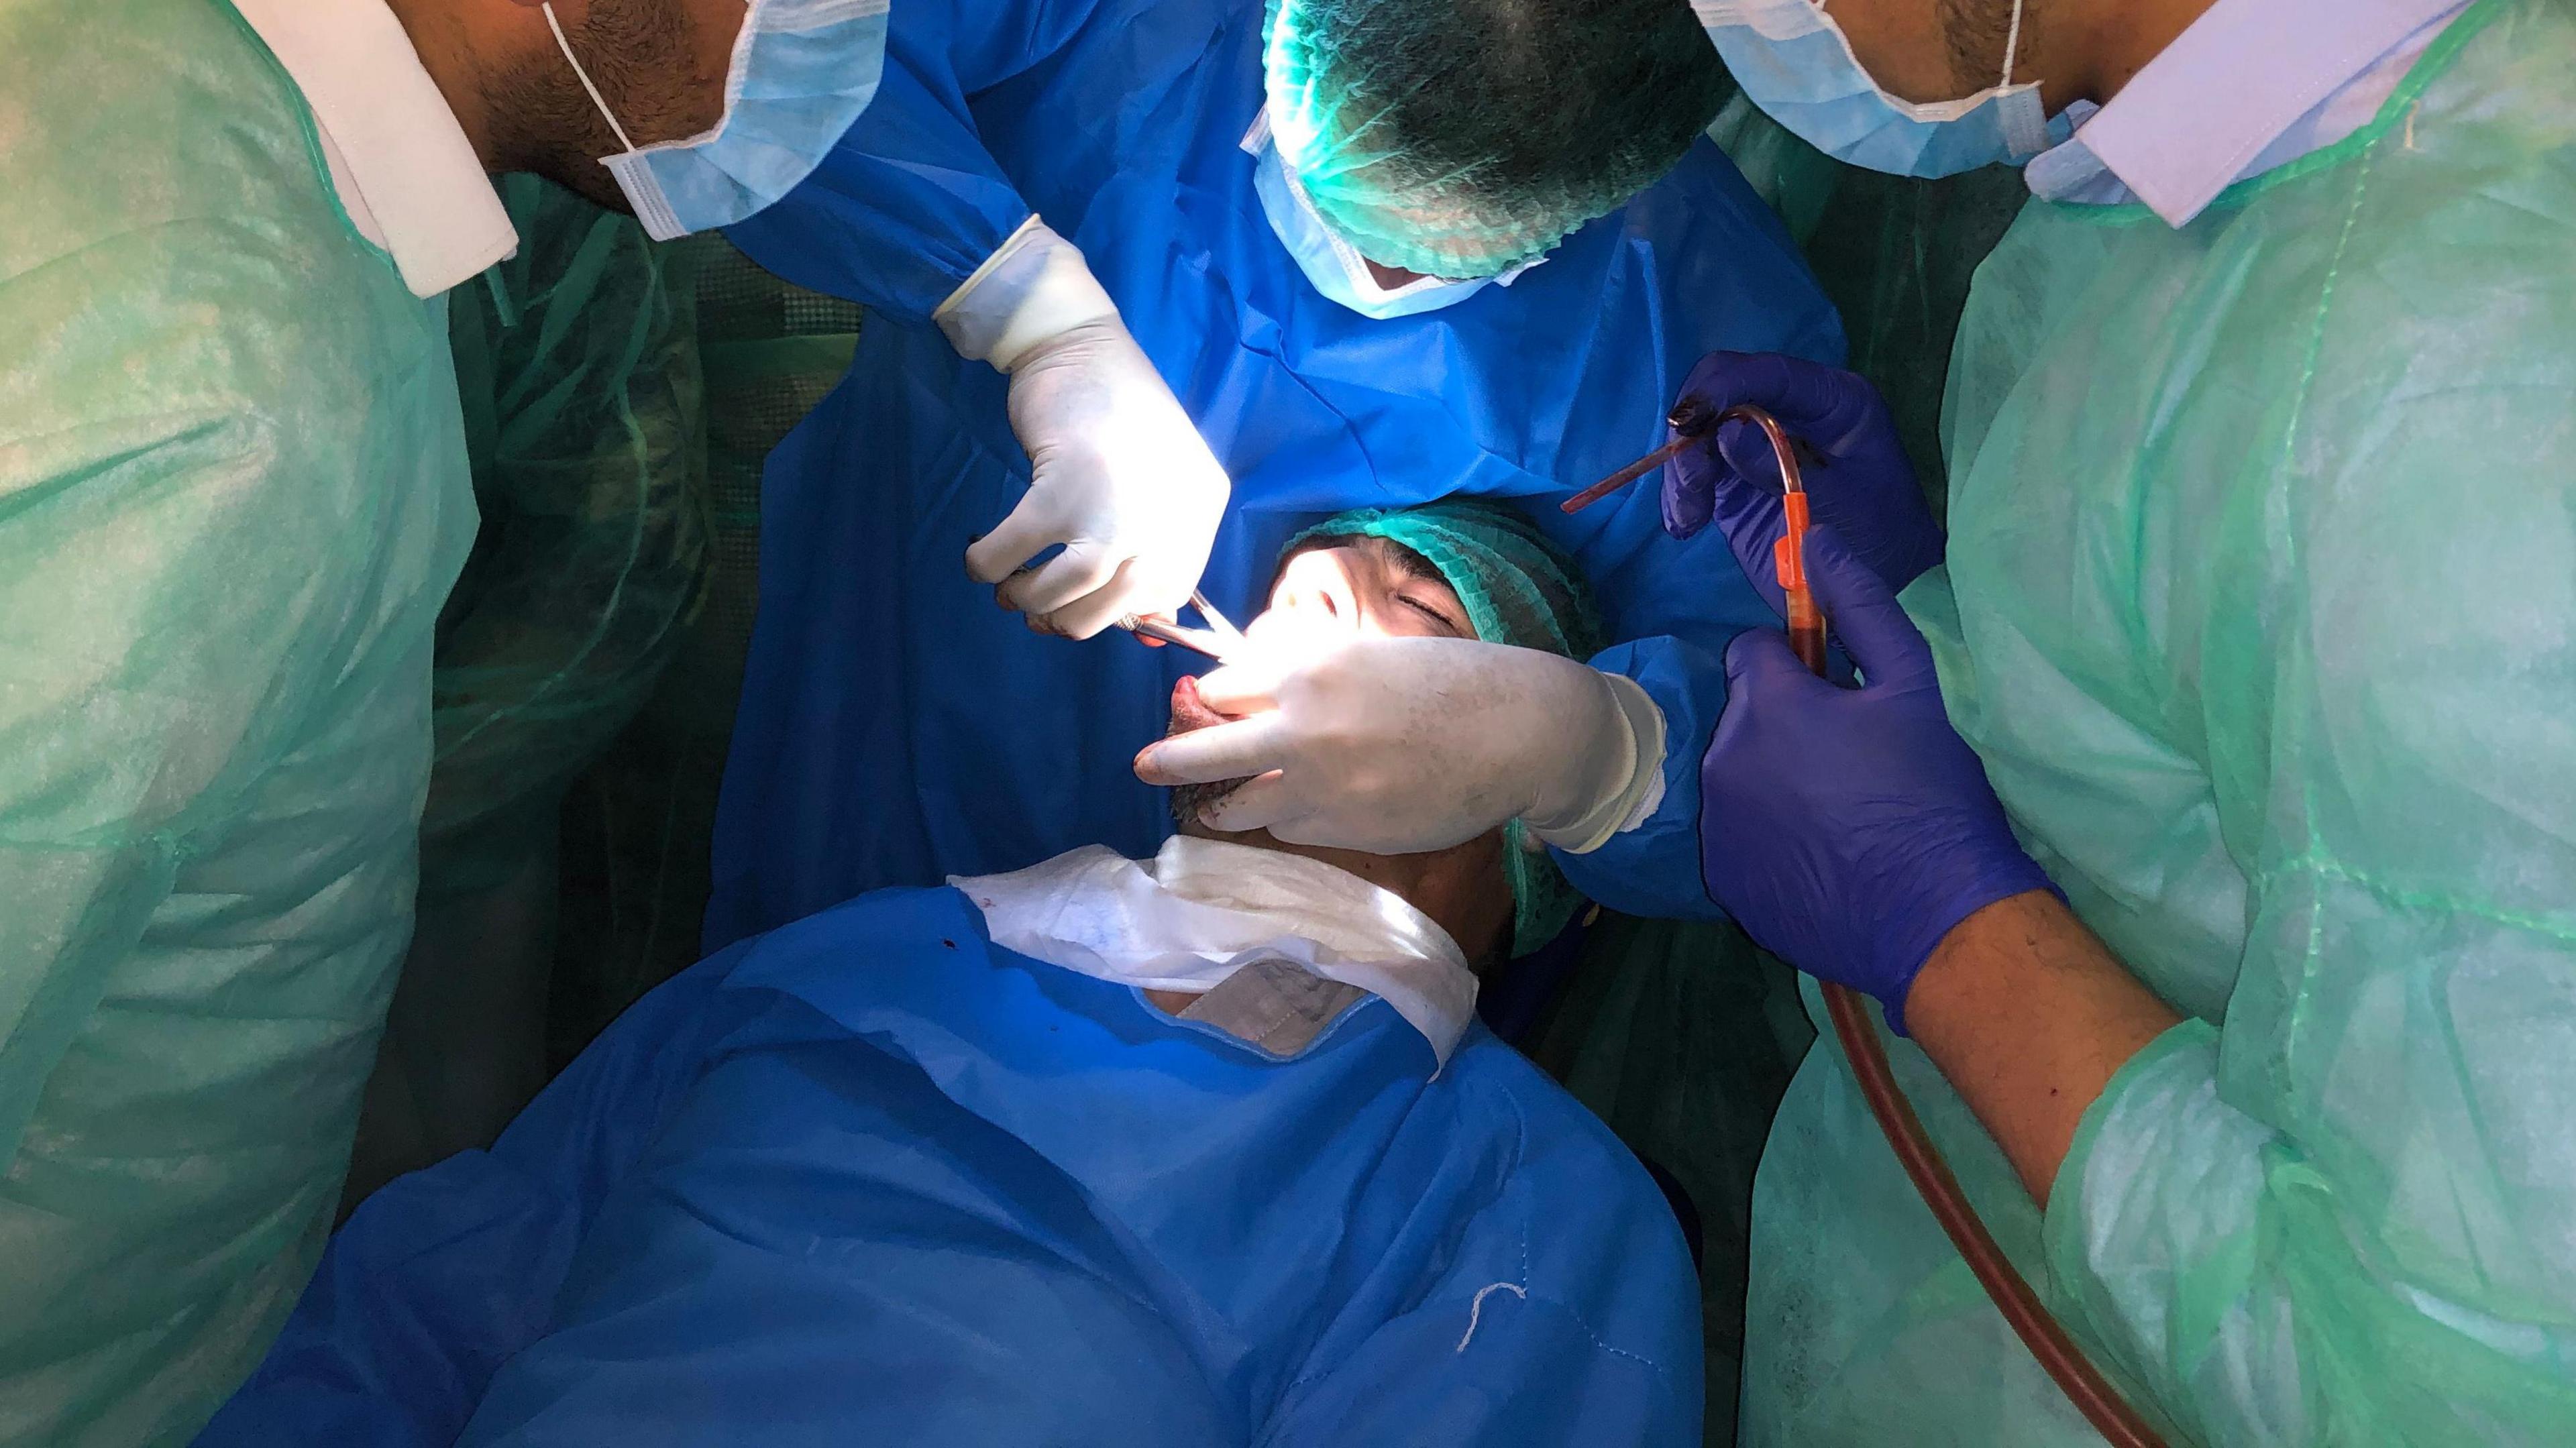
1840 439
1848 830
1118 474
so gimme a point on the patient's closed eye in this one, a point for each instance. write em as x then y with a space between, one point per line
1429 611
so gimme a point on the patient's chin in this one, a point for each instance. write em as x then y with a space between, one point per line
1189 714
1190 800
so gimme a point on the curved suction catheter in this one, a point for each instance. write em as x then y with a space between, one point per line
2031 1321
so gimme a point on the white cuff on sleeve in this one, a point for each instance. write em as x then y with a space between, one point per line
1033 287
1635 802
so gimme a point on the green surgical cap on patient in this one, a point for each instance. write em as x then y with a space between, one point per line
1518 589
1461 138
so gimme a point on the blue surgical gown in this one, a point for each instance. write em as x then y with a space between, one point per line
895 726
872 1179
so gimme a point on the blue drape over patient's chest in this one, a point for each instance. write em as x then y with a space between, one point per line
871 1179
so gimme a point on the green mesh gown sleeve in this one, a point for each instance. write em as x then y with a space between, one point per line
2267 564
637 824
232 492
577 367
577 361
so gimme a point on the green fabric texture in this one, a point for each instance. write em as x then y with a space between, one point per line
1681 1036
577 365
1462 139
233 491
1518 589
1895 254
637 824
2261 610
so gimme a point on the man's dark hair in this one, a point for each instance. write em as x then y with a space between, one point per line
1539 95
1488 126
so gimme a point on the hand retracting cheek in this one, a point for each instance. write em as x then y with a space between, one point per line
2065 1363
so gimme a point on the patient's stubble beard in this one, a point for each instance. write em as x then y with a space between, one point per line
1189 799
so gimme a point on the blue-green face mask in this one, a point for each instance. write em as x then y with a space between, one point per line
802 72
1794 61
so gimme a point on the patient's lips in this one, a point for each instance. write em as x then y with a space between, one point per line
1189 711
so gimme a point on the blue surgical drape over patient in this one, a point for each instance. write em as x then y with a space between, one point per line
896 725
873 1179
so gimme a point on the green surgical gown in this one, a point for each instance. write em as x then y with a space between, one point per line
2261 609
233 491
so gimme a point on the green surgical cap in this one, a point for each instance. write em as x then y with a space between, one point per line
1518 589
1461 138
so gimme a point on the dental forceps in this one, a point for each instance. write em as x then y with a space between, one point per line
1219 640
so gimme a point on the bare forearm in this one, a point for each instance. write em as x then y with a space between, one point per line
2029 1016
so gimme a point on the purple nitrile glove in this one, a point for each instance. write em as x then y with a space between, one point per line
1858 483
1847 830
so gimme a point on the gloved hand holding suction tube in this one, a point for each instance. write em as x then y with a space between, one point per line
1848 830
1860 483
1118 474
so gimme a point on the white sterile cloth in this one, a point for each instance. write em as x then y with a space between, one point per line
1202 909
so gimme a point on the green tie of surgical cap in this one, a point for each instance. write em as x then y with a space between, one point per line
1518 589
1461 138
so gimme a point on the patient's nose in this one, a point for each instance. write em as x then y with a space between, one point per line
1314 601
1323 602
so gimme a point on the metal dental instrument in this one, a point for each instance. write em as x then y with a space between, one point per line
1693 419
1219 640
1214 619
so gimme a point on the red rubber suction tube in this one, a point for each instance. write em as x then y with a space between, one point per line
2031 1321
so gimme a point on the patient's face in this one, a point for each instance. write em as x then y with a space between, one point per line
1329 595
1366 586
1323 596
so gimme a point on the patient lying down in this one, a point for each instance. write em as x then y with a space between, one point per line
1206 1148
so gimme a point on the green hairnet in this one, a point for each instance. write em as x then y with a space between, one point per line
1461 138
1518 589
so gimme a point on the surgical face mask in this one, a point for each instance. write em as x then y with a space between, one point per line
1335 266
1794 61
802 71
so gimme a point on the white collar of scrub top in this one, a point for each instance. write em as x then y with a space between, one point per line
404 171
1200 909
2249 86
1257 139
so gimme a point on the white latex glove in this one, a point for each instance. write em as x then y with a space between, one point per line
1117 472
1399 745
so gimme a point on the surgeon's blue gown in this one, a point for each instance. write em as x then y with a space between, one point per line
873 1180
895 725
